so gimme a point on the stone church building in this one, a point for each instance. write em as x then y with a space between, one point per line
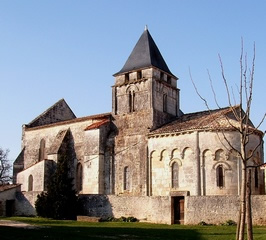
146 158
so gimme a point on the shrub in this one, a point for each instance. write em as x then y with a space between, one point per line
229 223
121 219
202 223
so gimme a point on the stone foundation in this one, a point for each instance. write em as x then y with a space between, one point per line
210 209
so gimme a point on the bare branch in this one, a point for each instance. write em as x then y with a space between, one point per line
225 80
196 89
5 167
213 92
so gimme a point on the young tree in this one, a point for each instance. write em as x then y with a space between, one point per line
60 200
5 167
241 114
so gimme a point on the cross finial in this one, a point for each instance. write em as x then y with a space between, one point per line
146 27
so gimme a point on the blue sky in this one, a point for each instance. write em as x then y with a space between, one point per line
69 49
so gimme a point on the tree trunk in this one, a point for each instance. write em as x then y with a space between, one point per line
241 230
249 210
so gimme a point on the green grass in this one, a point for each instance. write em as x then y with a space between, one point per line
53 229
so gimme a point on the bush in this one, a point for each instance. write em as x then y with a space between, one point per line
202 223
121 219
229 223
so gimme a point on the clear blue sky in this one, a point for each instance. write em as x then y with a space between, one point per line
69 49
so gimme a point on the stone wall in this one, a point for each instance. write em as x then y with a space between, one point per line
210 209
198 154
151 209
25 203
219 209
87 145
40 173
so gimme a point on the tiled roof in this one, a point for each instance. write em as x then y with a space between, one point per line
263 166
97 125
218 119
92 117
8 186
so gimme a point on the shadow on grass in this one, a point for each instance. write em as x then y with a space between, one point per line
91 232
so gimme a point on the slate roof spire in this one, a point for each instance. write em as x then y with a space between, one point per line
145 54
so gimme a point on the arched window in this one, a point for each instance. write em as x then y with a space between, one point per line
126 178
42 150
79 177
220 176
175 175
30 183
165 103
131 101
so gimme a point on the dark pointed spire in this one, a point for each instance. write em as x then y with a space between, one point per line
145 54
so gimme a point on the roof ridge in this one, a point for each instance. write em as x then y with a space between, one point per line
80 119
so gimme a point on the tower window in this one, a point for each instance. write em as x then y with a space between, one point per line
126 178
165 103
139 75
126 77
175 175
220 176
168 79
161 76
131 101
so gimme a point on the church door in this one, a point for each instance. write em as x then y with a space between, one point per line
178 210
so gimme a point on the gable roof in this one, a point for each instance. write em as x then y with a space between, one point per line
145 54
58 112
217 119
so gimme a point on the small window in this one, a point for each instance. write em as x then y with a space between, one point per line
139 75
161 76
220 176
79 177
131 101
168 79
175 175
126 77
30 183
42 150
165 103
126 179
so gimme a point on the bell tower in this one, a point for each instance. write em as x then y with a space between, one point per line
145 84
144 97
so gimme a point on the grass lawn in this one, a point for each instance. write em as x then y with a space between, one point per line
52 229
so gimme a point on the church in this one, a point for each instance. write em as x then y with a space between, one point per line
145 158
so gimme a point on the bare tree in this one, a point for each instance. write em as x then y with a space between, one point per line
241 114
5 167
